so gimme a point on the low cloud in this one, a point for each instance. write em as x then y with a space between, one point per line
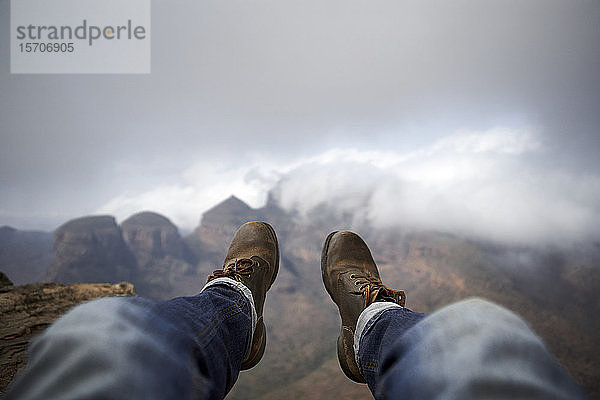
200 187
478 184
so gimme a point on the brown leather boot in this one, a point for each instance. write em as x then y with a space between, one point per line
352 280
253 259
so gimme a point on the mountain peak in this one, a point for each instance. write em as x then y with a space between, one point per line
7 232
6 228
90 249
89 224
152 237
231 211
232 202
148 219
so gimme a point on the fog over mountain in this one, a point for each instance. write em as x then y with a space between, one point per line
483 185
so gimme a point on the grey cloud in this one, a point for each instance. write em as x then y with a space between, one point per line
478 185
292 79
482 185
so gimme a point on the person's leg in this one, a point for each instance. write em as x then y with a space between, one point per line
377 328
469 350
188 347
135 348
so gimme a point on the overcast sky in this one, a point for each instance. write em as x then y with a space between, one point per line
477 116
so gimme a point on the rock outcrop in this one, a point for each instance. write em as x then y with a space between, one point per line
152 236
25 311
163 260
91 249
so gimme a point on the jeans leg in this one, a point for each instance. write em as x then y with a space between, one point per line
377 328
469 350
136 348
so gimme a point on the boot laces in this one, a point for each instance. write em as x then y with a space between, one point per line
373 290
237 269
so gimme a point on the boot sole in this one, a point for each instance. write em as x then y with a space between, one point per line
276 253
259 343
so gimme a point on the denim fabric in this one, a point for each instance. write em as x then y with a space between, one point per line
248 293
374 334
135 348
192 348
469 350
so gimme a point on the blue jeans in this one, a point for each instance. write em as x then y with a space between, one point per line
135 348
473 349
192 348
